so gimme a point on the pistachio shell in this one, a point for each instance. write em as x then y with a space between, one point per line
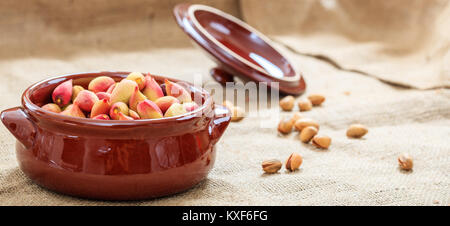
285 126
103 95
102 117
134 115
176 90
405 161
305 122
52 107
287 103
271 166
321 141
75 91
62 94
123 91
124 117
174 110
165 102
138 78
316 99
135 98
86 100
294 162
304 105
100 107
149 110
296 116
237 114
100 84
228 105
152 89
357 131
307 134
74 111
116 108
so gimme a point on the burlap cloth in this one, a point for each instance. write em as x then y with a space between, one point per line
392 42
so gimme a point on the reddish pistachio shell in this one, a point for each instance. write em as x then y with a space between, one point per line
138 78
102 117
73 110
123 91
190 106
116 108
85 100
152 89
134 115
62 94
174 110
149 110
124 117
75 91
100 107
165 102
111 88
100 84
163 88
52 107
175 90
135 98
103 95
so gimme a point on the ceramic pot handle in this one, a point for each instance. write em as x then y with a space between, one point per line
20 125
222 117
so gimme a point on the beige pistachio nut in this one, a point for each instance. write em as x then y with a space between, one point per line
294 161
321 141
316 99
405 161
287 103
307 134
357 131
296 116
271 166
237 114
305 122
285 125
228 104
304 105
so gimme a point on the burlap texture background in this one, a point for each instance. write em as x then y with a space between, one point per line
43 41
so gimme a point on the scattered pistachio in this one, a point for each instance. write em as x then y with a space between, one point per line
294 161
228 104
304 105
405 161
285 125
305 122
287 103
316 99
307 134
296 116
271 166
237 114
357 131
321 141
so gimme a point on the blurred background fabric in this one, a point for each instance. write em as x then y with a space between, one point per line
383 63
404 42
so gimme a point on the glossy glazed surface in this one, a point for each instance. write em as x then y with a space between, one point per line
113 160
237 48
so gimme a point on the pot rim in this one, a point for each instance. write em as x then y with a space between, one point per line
52 116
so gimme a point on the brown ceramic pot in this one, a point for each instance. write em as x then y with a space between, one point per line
113 160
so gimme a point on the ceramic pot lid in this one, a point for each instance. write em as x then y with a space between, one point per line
237 48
